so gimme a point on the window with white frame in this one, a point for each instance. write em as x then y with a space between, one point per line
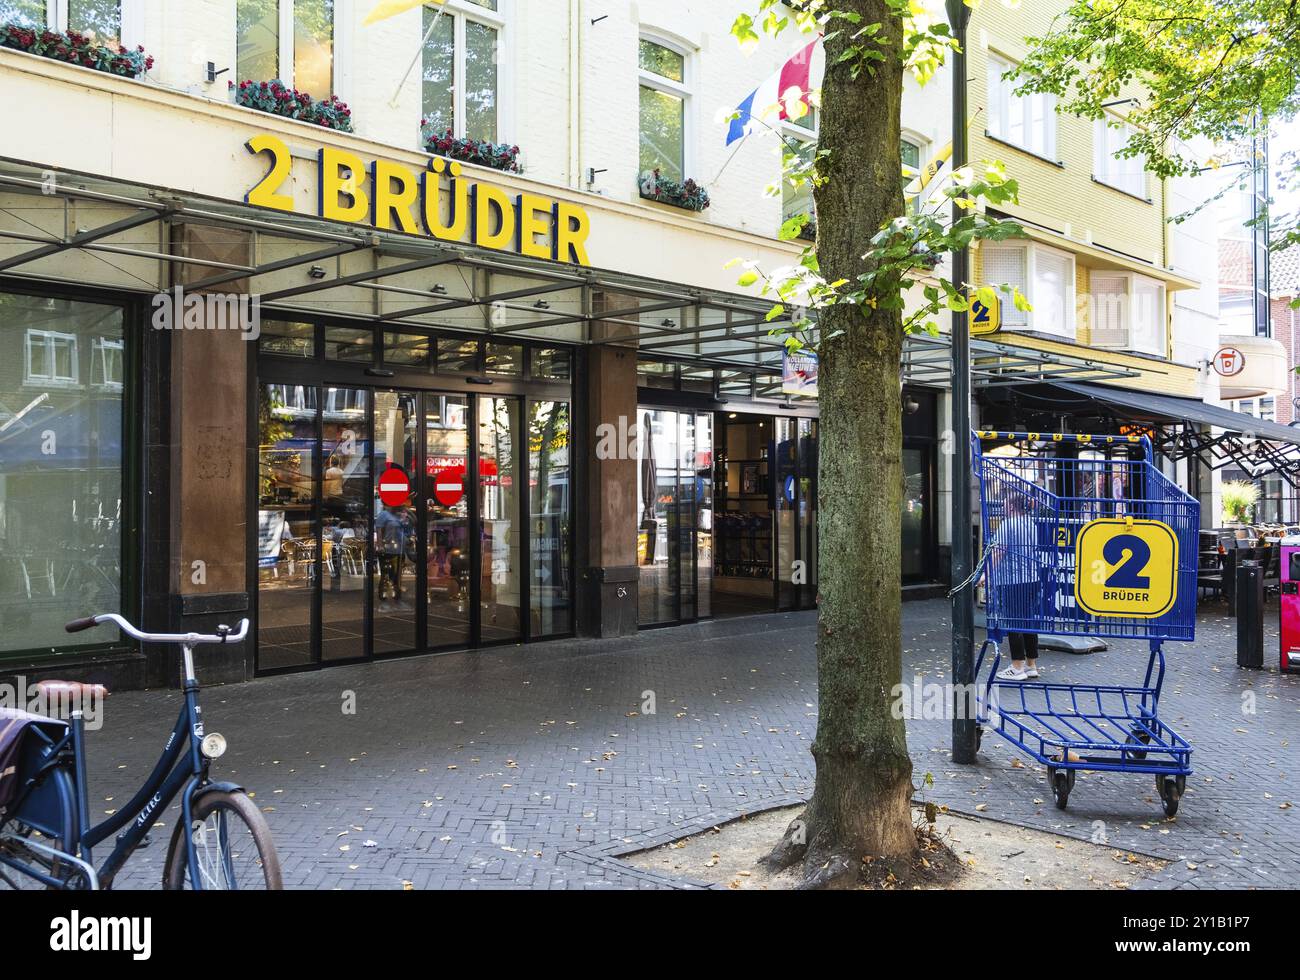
1128 174
292 40
1128 312
1044 275
665 97
110 21
106 363
461 89
1026 121
51 358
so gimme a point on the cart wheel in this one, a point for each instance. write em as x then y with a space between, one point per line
1171 790
1062 781
1137 736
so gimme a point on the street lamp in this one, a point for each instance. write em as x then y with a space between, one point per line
963 603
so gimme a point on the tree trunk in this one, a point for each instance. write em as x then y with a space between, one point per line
861 800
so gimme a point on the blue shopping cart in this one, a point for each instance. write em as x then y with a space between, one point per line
1085 536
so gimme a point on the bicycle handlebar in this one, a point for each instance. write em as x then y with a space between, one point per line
223 634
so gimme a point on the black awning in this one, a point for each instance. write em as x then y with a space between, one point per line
1257 446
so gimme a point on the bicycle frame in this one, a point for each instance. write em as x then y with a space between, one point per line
181 768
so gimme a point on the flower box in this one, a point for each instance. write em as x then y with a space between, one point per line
275 98
76 49
687 194
484 153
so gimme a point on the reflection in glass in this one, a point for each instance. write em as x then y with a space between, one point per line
786 496
662 133
505 359
498 428
23 13
60 467
808 507
287 339
287 524
397 443
551 364
349 344
549 481
666 533
413 349
457 356
102 18
257 23
704 513
480 81
437 95
313 47
346 492
447 557
914 517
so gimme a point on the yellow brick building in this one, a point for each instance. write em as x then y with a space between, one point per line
1095 261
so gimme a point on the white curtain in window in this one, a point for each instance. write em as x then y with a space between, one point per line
1148 308
1125 173
1109 310
1051 294
1008 265
1028 121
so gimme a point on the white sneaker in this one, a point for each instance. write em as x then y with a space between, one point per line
1031 673
1012 673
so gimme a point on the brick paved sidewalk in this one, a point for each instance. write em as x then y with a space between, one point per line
531 767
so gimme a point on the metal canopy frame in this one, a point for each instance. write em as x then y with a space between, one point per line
724 329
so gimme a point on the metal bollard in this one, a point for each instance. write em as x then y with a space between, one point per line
1250 614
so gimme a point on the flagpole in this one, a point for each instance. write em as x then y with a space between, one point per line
392 103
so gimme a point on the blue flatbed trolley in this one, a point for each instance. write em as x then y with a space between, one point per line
1085 536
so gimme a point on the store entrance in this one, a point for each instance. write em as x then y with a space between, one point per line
349 572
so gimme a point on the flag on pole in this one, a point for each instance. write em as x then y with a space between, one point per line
794 74
391 8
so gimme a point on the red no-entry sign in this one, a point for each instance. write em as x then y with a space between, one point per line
394 487
449 485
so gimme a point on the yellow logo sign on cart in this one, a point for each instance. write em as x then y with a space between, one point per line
1126 567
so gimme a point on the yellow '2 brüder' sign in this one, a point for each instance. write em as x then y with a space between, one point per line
1126 568
391 197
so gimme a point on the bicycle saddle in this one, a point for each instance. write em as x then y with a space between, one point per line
70 689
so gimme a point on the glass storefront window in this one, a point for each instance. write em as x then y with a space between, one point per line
349 344
287 524
550 364
346 492
505 359
61 444
550 482
456 356
396 538
498 434
448 555
287 339
656 374
411 349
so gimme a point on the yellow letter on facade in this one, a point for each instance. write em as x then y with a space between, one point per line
486 199
457 223
572 226
335 185
534 214
383 175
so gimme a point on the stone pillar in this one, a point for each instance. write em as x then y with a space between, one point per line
609 579
209 449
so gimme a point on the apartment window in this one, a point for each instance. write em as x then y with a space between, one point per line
1127 174
104 19
292 40
106 363
664 98
1268 409
911 153
51 358
1128 312
1027 121
462 76
1044 275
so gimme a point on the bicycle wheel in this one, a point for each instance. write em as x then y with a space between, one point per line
232 847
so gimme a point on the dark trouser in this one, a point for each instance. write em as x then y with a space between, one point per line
1020 600
390 571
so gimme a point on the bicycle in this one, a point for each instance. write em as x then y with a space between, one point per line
221 843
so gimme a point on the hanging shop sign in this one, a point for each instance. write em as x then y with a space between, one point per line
440 202
799 373
985 318
1126 568
1229 362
